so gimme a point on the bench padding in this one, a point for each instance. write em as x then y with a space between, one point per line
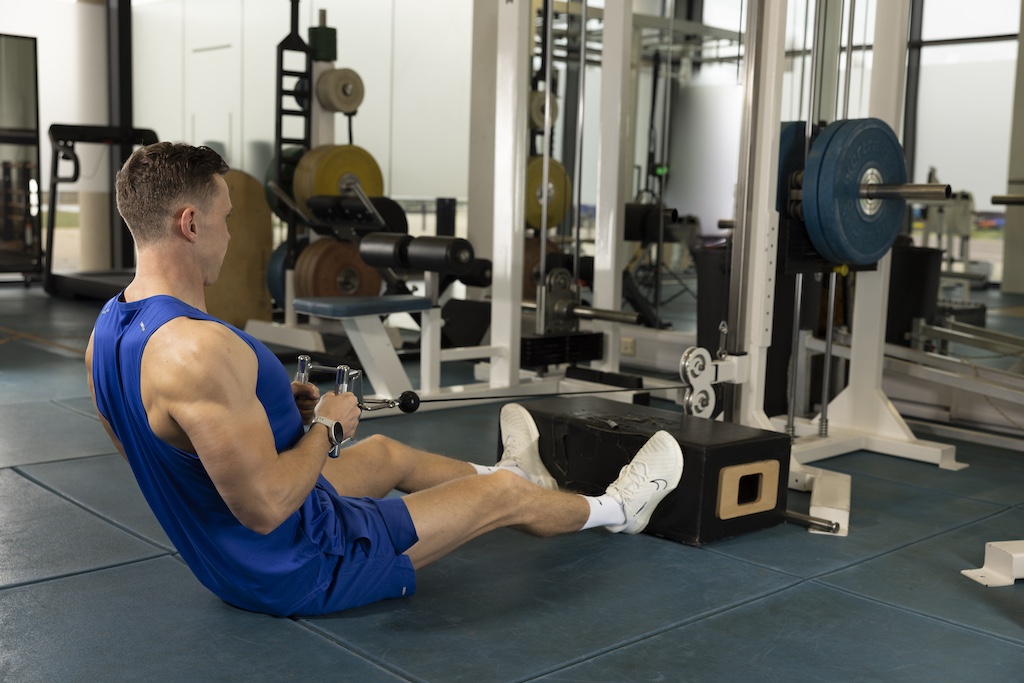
338 307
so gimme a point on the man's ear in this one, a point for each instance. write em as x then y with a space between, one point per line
187 223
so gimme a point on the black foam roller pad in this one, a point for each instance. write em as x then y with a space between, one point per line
385 249
441 254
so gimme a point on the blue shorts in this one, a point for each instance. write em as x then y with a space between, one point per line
372 565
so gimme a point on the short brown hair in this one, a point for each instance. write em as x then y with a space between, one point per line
157 179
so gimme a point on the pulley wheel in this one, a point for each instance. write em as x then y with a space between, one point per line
332 268
558 192
385 249
326 169
847 154
537 99
340 90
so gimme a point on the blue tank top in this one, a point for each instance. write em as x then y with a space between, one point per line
274 573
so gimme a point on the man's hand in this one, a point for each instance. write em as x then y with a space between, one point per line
341 407
306 396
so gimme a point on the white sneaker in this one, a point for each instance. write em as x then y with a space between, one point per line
521 441
643 483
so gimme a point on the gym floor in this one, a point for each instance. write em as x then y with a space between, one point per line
91 589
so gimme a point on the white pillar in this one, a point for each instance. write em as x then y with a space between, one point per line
514 47
1013 231
862 402
614 168
480 210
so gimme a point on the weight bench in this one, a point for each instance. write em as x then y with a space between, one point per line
360 316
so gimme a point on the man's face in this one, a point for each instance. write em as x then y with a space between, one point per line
214 221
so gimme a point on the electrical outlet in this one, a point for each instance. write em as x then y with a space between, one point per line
627 346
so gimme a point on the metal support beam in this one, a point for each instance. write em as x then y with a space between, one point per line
755 239
119 70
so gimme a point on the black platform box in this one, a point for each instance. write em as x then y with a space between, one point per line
734 479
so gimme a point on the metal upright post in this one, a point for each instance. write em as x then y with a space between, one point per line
755 239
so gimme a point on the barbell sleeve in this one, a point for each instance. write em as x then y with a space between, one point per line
1008 199
908 191
921 192
588 313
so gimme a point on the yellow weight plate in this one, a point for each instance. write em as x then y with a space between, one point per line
537 98
324 170
558 192
340 90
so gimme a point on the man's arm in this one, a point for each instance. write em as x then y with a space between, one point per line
199 390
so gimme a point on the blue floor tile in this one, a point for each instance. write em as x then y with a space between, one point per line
105 485
29 373
469 433
808 633
45 431
885 516
994 474
508 607
152 621
43 536
925 577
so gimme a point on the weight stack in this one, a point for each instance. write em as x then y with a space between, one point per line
735 478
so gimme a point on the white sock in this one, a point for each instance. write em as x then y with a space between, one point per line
491 469
604 511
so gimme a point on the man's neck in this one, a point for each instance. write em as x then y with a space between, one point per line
158 271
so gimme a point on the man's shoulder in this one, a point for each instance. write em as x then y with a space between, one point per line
198 346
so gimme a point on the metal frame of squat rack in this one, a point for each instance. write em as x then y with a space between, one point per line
293 42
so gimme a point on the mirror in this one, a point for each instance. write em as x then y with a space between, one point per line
20 183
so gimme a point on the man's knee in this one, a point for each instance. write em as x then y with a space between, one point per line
506 488
376 446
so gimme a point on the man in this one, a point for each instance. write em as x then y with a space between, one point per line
213 429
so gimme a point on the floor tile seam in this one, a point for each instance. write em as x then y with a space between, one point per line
59 402
921 487
920 613
357 651
94 513
42 343
654 633
758 565
84 572
903 546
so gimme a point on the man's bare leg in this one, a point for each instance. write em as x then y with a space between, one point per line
450 514
376 465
